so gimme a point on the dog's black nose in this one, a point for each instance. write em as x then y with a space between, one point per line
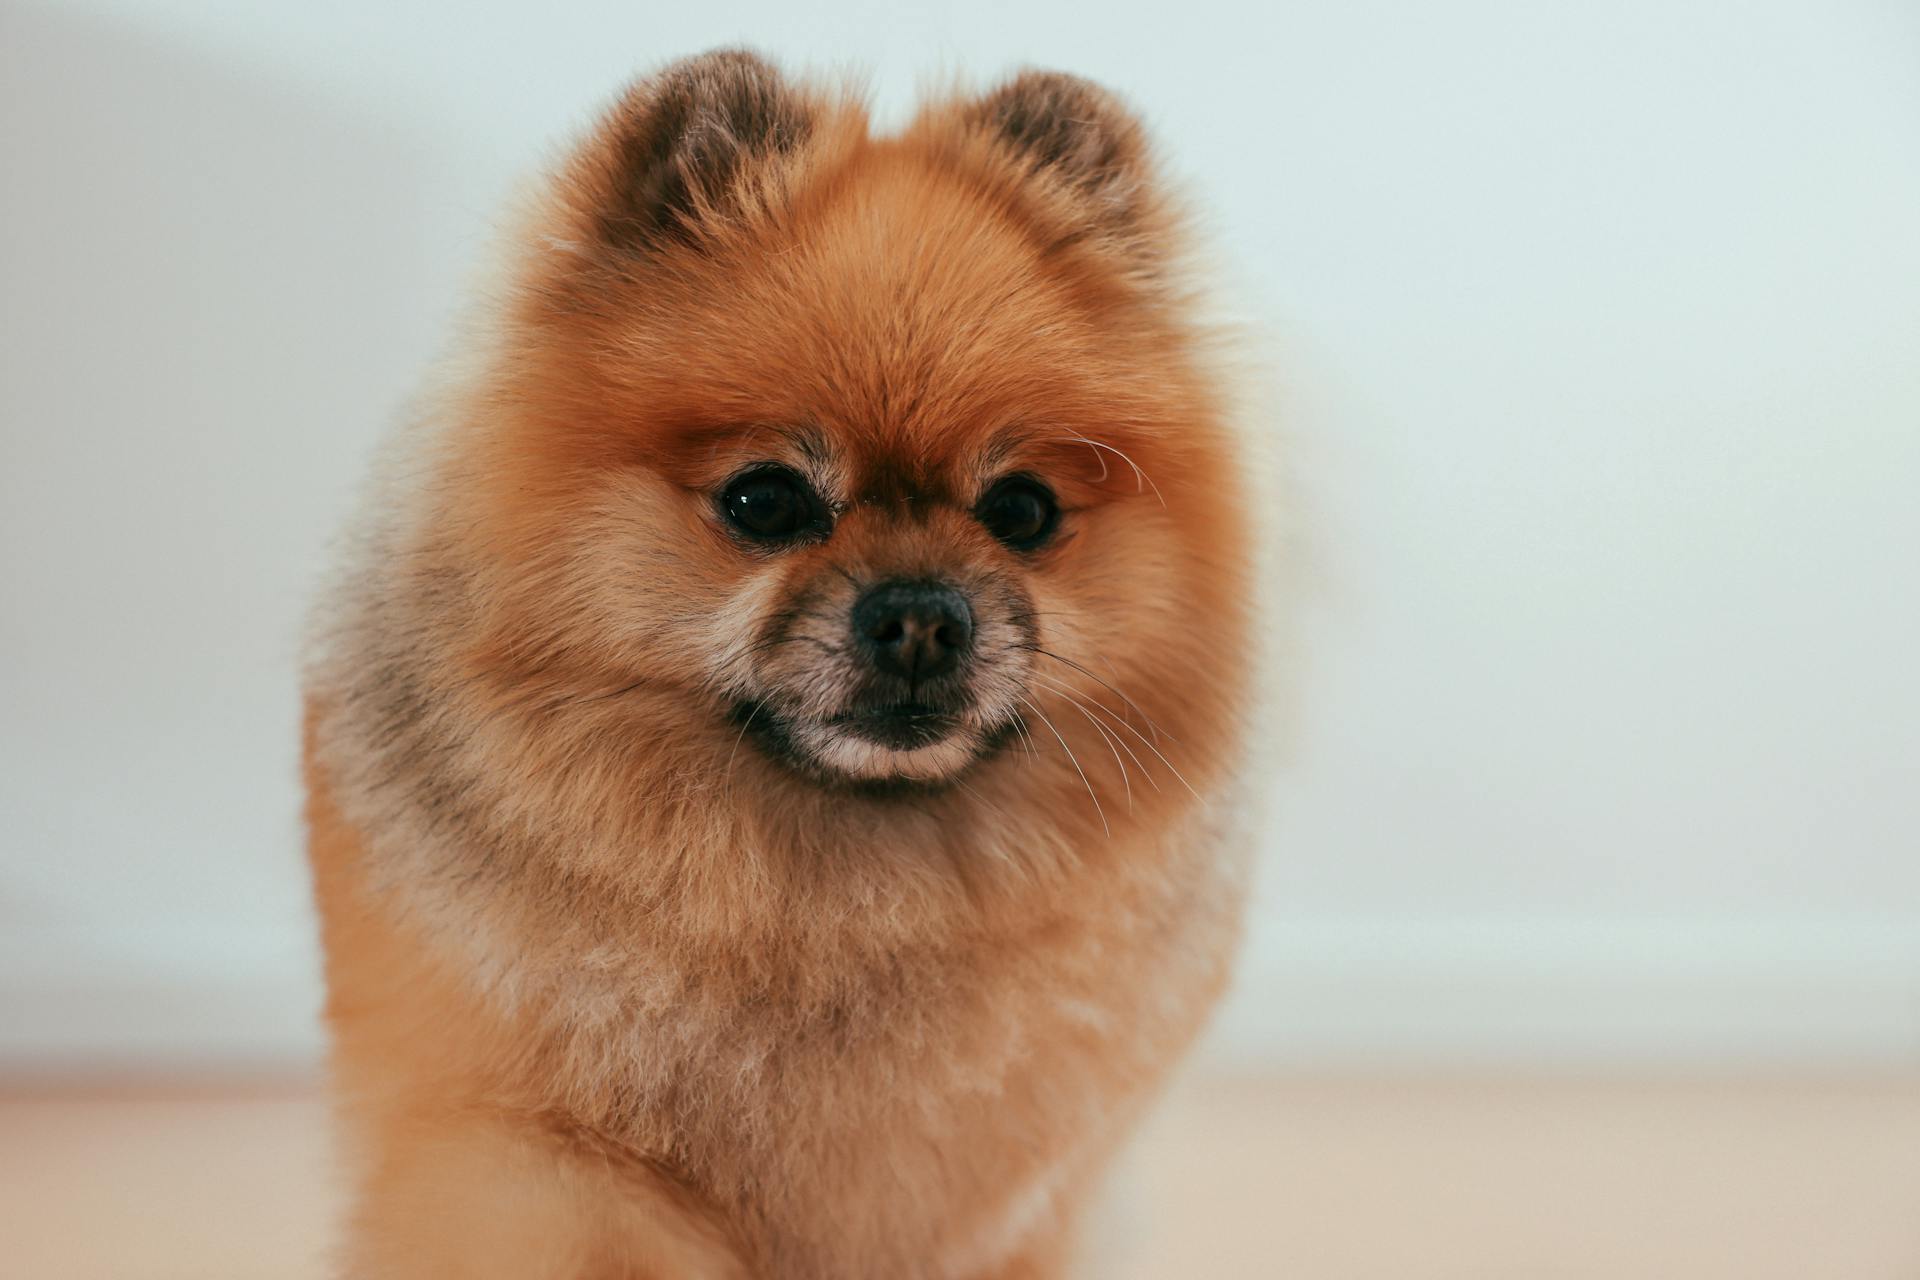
914 630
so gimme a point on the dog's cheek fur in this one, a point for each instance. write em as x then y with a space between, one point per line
825 1034
638 582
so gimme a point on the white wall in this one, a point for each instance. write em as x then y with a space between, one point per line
1596 328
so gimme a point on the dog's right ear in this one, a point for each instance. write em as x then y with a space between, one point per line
686 150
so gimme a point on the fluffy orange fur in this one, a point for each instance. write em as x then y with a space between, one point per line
624 984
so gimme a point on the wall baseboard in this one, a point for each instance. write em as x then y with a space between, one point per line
1576 992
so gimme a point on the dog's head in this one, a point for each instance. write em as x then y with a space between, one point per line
869 460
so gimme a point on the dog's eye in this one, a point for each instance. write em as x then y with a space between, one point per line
1020 511
772 504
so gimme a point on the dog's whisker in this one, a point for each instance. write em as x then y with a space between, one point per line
1069 695
1141 478
1026 737
1117 692
1075 760
1106 735
739 738
1159 754
1077 695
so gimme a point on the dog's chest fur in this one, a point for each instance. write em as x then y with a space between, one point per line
923 1124
915 1114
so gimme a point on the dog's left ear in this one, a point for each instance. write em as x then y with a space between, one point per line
1077 144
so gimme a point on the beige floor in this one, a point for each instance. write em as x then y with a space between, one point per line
1297 1179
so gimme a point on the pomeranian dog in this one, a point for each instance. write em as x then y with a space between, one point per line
774 752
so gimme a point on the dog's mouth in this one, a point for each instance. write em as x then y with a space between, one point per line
900 726
895 743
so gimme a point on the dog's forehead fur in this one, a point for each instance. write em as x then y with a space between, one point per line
895 300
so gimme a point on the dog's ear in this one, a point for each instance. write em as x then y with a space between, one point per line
687 148
1075 137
